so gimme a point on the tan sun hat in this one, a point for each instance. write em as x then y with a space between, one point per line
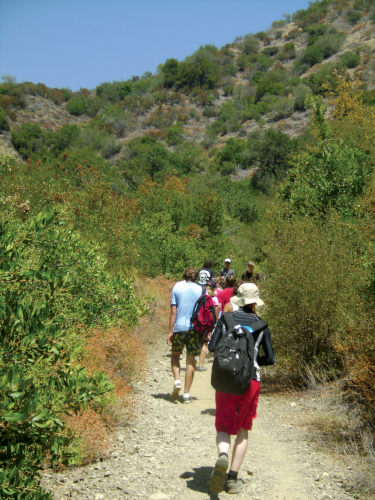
247 293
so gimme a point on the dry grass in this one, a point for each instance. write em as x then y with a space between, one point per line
121 354
335 422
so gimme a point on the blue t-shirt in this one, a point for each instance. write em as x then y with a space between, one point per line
184 296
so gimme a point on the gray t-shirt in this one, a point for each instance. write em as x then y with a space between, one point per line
226 272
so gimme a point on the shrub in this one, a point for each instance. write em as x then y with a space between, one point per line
312 55
28 138
279 24
3 121
300 92
269 84
250 45
82 105
63 139
110 147
278 35
243 62
232 152
330 43
284 107
116 120
350 59
263 63
175 134
210 111
324 75
270 51
353 16
308 319
227 168
244 209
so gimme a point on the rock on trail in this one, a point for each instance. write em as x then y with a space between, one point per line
168 451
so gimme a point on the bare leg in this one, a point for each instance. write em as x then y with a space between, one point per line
239 449
190 367
175 362
203 354
223 442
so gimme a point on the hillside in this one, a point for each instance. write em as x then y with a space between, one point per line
255 83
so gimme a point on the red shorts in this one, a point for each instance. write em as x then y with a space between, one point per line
236 412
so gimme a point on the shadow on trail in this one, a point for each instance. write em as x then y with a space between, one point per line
199 480
167 397
209 411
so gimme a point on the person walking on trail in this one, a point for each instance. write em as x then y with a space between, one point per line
235 414
184 296
211 291
249 274
205 274
226 271
227 293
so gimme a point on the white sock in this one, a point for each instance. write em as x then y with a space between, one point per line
186 395
177 382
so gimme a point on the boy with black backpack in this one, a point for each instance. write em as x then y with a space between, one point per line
236 341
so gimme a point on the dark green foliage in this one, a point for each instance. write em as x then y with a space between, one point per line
270 151
81 104
232 152
227 168
330 43
350 59
200 73
3 121
312 55
323 75
261 35
28 138
244 209
250 45
270 51
63 139
368 97
269 84
40 276
175 134
300 92
353 16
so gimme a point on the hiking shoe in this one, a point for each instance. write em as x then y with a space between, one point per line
176 390
233 485
186 400
217 478
201 369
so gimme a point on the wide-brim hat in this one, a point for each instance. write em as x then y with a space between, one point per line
247 293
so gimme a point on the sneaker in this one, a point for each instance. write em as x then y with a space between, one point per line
233 485
186 400
176 390
201 369
217 478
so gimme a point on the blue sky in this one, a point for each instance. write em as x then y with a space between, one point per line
81 43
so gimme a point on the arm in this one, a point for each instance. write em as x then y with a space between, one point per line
269 355
172 320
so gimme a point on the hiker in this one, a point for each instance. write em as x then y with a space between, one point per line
211 291
235 413
184 296
226 271
205 273
249 275
227 293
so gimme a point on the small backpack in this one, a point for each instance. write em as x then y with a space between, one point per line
203 318
233 366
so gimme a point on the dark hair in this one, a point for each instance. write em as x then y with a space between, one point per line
208 263
235 289
230 281
190 274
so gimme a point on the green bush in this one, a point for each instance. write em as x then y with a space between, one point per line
312 55
175 134
324 75
269 84
232 152
227 168
28 138
250 45
300 92
63 139
311 289
261 35
353 16
330 43
3 121
82 105
210 111
243 62
263 62
117 120
270 51
350 59
244 209
279 24
284 108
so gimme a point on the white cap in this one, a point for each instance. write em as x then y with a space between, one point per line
227 260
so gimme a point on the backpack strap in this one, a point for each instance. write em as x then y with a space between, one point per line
258 325
229 320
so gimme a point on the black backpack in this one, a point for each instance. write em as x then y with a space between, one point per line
233 366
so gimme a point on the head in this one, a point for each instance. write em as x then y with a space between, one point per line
230 282
208 264
227 263
211 288
250 266
190 274
248 297
235 289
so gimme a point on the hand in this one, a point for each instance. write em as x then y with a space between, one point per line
169 338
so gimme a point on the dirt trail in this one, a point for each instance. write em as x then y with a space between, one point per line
168 451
